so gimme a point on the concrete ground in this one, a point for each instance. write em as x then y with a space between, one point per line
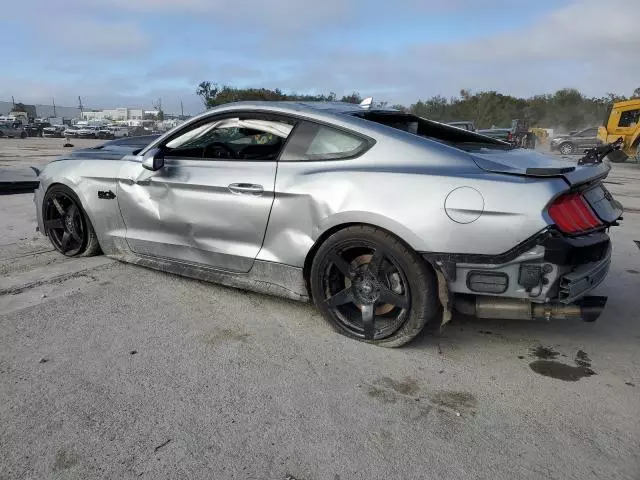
36 151
111 370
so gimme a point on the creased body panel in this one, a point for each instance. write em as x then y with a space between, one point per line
313 197
187 212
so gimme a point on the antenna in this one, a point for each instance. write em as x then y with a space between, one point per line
366 103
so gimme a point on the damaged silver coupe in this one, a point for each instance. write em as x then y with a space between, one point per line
385 220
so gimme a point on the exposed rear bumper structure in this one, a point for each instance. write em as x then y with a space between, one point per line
547 279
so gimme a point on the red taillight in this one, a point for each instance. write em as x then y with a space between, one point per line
572 214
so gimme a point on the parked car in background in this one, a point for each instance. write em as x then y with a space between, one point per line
466 125
71 131
285 198
575 142
89 131
54 131
35 129
13 130
503 134
113 131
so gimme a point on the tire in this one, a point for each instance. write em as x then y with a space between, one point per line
67 224
23 135
567 148
364 272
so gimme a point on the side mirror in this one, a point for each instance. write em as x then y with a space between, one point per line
153 160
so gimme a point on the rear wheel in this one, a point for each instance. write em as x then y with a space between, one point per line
23 135
371 287
567 148
67 225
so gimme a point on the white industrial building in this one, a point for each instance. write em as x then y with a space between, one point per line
118 114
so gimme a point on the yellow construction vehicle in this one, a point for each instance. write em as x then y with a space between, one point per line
623 121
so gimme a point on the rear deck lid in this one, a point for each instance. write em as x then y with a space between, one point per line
524 162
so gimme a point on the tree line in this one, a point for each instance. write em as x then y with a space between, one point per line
566 109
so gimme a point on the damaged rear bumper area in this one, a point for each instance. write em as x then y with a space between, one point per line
547 277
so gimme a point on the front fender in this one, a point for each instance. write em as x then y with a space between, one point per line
86 178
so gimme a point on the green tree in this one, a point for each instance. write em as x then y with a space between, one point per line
566 109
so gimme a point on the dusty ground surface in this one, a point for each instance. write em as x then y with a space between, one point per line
110 370
25 152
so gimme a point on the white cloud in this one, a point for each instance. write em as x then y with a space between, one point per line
282 43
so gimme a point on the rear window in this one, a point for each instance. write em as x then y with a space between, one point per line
312 141
455 137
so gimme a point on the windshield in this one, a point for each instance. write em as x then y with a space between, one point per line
455 137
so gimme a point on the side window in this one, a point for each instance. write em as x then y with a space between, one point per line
312 141
232 139
588 132
629 118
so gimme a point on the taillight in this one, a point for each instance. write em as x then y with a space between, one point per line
572 214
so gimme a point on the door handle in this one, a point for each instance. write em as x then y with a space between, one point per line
246 189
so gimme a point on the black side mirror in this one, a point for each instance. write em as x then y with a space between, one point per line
153 160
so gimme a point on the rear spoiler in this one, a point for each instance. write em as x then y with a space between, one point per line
573 175
548 171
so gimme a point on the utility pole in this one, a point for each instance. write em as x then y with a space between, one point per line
13 101
80 106
54 108
181 110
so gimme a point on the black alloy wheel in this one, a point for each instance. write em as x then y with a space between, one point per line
372 288
66 224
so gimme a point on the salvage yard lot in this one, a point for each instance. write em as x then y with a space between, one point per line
110 370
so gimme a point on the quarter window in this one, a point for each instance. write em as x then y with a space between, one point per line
629 118
232 139
312 141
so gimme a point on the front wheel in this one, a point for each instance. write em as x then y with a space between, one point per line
23 135
371 287
67 225
567 148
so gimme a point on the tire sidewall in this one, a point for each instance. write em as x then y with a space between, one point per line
419 276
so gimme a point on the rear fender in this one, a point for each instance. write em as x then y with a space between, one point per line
369 218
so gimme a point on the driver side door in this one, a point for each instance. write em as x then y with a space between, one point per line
210 203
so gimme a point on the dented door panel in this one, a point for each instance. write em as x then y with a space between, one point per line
187 212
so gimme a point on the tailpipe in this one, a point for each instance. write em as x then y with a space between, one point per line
587 309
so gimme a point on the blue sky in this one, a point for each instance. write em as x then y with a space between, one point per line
132 52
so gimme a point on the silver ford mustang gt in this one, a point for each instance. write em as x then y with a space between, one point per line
385 220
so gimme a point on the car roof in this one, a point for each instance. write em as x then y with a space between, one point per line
302 107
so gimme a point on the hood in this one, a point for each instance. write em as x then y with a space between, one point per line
111 150
529 163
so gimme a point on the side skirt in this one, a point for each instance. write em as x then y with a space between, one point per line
265 277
